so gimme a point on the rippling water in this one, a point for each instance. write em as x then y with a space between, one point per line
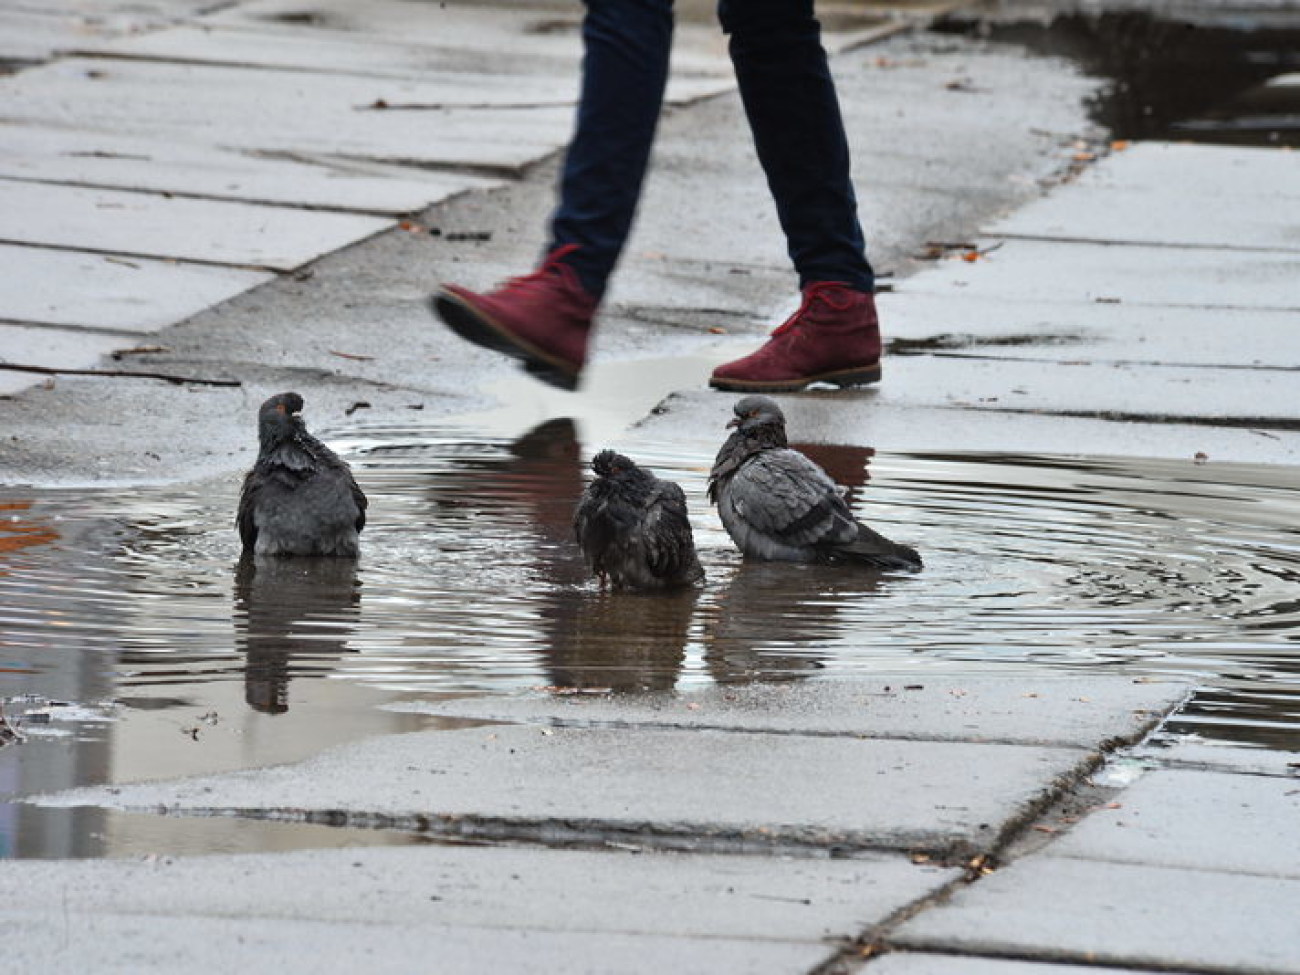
133 604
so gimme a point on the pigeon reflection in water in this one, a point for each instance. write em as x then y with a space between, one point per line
775 622
619 642
299 498
777 505
292 617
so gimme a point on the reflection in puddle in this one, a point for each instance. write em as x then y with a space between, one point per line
174 657
1205 75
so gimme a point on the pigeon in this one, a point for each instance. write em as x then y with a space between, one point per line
299 498
778 505
633 529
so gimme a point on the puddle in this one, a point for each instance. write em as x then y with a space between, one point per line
1229 81
133 645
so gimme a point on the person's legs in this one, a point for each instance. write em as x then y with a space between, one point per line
544 318
625 71
794 114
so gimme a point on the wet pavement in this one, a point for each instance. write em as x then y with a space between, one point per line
792 770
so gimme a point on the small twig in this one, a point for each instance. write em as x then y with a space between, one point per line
118 374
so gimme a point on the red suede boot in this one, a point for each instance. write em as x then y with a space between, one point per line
542 318
834 337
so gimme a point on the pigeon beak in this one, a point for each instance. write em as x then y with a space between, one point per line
734 423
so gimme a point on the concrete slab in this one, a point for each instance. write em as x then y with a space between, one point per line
892 426
106 159
916 963
150 225
1119 390
30 35
532 73
519 32
694 787
111 291
1112 914
52 347
1038 271
1225 758
137 944
1162 193
1080 712
1198 820
297 111
958 324
36 31
562 891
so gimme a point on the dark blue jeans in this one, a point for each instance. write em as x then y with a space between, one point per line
793 112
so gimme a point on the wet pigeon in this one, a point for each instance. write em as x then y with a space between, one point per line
299 498
777 504
633 529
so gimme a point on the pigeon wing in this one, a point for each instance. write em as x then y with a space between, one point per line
359 498
245 517
783 495
666 534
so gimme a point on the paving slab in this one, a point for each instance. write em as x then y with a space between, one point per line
1120 390
1143 196
926 428
298 110
519 32
531 73
958 324
1070 272
1080 712
1112 914
1198 820
37 31
570 891
134 944
191 168
1225 758
111 291
151 225
32 345
689 786
916 963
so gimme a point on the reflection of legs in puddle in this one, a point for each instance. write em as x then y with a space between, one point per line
848 466
291 612
772 617
623 642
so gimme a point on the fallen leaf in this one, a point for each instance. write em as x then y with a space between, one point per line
717 330
1119 145
351 355
1047 829
1201 457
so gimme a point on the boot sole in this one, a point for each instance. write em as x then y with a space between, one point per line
482 330
864 376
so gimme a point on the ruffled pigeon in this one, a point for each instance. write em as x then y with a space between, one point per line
776 504
633 529
299 498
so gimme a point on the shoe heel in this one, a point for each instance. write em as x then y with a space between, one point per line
856 377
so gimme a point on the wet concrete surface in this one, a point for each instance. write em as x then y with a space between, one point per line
1047 552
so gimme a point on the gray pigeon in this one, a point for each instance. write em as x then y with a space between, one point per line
299 498
776 504
633 529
